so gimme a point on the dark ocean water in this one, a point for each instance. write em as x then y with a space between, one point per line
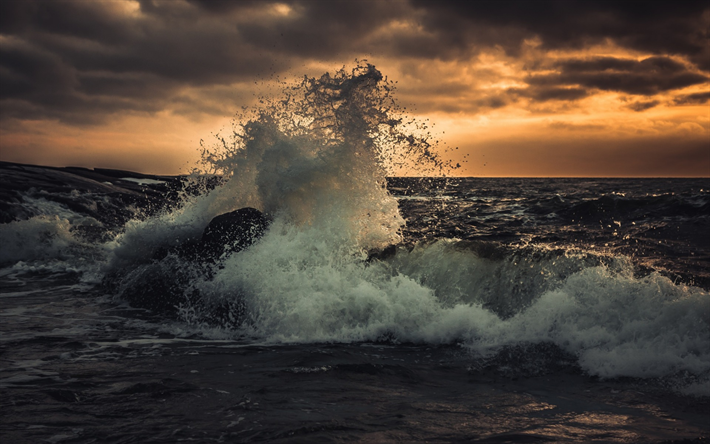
509 310
659 223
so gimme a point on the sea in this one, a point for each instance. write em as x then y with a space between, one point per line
373 308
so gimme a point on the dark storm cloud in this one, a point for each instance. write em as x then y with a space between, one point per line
171 39
646 77
216 6
61 57
324 30
574 79
643 106
30 70
89 20
544 93
81 61
657 27
693 99
36 83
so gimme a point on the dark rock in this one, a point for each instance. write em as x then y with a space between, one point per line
166 285
163 284
232 232
104 195
160 286
382 254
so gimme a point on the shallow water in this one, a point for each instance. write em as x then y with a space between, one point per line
80 370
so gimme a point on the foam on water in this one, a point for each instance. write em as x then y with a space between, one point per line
39 237
50 233
299 289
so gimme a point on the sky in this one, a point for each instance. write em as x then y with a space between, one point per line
521 88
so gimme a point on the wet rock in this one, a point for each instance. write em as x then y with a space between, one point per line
382 254
232 232
164 284
109 196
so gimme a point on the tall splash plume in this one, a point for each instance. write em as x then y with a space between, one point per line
320 154
316 156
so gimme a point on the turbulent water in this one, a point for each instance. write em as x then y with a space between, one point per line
463 298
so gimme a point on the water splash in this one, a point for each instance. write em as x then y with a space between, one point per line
316 156
320 153
315 160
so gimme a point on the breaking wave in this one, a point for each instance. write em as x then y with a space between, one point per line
332 266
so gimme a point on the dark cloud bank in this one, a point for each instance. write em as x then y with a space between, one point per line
79 62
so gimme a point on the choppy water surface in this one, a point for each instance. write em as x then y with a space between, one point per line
373 309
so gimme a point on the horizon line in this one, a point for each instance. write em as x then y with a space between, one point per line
404 176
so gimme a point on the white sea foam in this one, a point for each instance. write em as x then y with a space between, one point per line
48 235
616 324
300 288
36 238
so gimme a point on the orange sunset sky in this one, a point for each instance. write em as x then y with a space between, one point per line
522 88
